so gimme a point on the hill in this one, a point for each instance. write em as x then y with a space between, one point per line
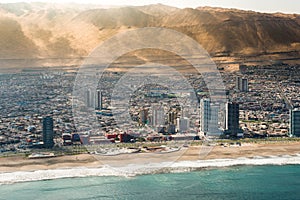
43 31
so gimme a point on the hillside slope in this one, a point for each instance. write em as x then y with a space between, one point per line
40 30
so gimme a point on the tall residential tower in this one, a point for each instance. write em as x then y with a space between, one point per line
209 117
232 125
295 122
48 133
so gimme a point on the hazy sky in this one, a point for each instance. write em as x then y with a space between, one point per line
287 6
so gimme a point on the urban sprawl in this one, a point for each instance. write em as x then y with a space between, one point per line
36 109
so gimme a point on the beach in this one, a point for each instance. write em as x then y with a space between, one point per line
191 153
17 169
247 150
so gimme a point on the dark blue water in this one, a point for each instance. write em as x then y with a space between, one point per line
247 182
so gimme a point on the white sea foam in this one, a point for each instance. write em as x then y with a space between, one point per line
133 170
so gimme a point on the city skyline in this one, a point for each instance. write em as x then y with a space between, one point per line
108 100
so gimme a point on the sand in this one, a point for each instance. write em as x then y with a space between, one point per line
192 153
246 151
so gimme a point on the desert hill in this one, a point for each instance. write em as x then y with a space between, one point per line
43 31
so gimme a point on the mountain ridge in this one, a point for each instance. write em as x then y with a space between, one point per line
71 31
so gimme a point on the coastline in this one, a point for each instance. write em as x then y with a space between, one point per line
16 169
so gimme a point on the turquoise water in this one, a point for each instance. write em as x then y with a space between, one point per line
245 182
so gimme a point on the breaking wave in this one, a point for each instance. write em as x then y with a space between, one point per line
134 170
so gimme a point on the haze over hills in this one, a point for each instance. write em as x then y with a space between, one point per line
43 31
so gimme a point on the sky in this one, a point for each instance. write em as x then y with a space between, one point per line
285 6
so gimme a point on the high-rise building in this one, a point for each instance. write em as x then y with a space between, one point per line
99 103
92 99
158 116
89 98
205 115
172 116
238 83
183 124
48 133
143 116
209 117
214 120
242 84
295 122
232 125
245 87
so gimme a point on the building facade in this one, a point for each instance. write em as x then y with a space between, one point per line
99 100
158 116
48 133
90 98
205 115
295 122
232 125
143 117
245 85
209 117
183 124
242 84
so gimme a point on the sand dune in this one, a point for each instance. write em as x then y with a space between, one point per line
41 30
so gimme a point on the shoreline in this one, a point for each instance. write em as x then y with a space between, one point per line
193 158
138 170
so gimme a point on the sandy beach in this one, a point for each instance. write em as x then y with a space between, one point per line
192 153
247 150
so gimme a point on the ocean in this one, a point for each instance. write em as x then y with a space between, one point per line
239 182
